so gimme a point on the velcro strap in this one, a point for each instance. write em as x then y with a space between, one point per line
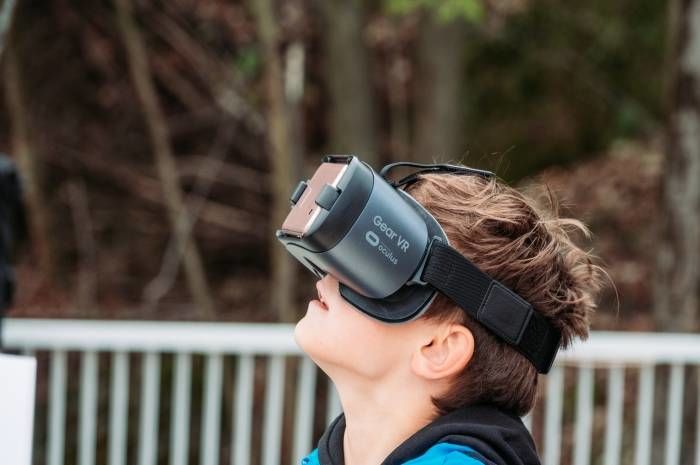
492 304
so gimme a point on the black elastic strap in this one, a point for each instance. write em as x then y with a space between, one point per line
492 304
429 168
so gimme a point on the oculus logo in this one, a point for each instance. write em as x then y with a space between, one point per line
372 238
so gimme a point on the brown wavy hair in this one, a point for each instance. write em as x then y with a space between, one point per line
524 244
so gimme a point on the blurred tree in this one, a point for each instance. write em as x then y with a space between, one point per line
439 121
284 86
557 81
6 12
677 283
554 80
677 274
284 167
445 10
165 162
440 89
31 167
352 105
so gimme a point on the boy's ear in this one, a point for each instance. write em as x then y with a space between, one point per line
445 354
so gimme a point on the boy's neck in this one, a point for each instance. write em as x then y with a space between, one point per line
378 418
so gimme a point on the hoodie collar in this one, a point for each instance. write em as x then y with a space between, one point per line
499 436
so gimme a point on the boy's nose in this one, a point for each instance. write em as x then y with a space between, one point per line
325 285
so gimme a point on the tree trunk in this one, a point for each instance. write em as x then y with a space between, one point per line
678 258
29 164
281 153
165 163
352 113
6 13
677 274
439 101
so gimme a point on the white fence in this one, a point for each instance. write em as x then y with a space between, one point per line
571 424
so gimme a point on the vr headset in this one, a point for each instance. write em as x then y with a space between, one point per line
391 257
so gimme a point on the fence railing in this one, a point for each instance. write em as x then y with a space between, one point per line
179 393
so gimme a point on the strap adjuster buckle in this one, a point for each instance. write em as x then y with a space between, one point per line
417 277
505 312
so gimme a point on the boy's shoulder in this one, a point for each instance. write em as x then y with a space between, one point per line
311 459
445 453
474 435
442 453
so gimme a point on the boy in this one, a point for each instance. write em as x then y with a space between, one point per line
441 389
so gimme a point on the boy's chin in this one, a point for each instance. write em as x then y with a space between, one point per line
304 337
297 336
307 338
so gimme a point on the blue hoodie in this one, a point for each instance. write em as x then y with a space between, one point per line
474 435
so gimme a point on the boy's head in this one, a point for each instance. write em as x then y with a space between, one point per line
444 354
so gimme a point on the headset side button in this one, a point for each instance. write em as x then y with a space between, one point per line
296 195
327 197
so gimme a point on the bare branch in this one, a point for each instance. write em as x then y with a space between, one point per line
224 216
233 175
282 154
164 281
87 248
29 164
165 163
227 91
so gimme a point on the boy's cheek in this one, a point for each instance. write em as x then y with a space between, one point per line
341 329
371 338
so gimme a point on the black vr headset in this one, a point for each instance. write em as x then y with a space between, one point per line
391 257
